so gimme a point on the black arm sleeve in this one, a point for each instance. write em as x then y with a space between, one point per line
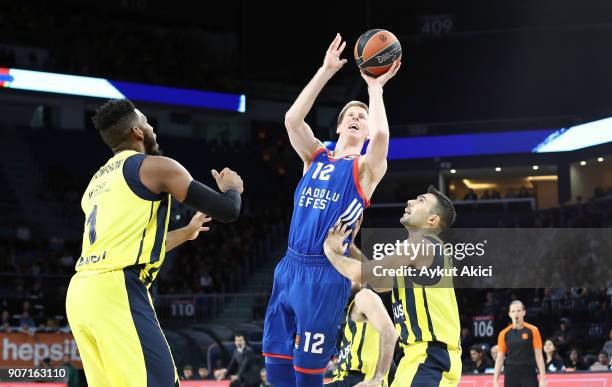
224 207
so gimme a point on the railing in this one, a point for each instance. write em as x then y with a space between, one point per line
190 308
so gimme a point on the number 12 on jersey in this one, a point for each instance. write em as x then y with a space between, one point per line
321 172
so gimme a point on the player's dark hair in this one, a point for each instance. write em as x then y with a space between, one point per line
113 121
444 208
349 105
477 348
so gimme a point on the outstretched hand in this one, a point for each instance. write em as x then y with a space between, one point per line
195 226
332 59
336 237
381 80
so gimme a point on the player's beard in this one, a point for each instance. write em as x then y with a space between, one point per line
151 147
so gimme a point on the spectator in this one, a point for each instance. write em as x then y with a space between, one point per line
26 323
203 373
485 195
466 338
608 345
241 368
564 337
187 372
478 362
471 195
575 362
494 352
46 362
495 194
5 321
263 378
602 363
552 361
523 193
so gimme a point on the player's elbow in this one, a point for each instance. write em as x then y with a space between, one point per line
230 215
292 120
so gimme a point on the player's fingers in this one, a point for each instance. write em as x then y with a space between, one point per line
202 229
341 48
343 61
214 173
337 42
333 43
345 246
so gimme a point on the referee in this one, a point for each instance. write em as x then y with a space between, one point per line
520 345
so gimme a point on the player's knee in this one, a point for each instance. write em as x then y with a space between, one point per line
308 380
280 374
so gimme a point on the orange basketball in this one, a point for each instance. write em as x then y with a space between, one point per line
376 50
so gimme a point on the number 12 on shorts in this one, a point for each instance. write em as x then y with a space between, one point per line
313 343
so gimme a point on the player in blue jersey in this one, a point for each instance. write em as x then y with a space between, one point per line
309 295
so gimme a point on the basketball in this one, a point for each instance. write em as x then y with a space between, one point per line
376 50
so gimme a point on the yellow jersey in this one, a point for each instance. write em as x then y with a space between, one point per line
358 350
428 312
125 223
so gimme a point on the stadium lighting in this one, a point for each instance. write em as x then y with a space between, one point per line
535 167
600 159
453 171
583 162
497 169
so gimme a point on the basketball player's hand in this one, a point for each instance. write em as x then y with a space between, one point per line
380 81
195 226
332 61
228 179
335 239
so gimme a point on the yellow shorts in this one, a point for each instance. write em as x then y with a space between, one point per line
117 332
428 364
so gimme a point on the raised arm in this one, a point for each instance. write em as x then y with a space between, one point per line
375 161
300 134
368 307
162 174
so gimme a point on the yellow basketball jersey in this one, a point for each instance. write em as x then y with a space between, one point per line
125 224
423 313
358 350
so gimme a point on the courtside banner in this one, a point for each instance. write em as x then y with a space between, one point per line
569 379
23 350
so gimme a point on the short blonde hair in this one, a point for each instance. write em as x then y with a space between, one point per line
348 106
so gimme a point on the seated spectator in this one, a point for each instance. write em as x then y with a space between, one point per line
523 192
26 323
574 361
602 363
608 345
203 373
466 339
263 378
241 368
552 361
485 195
494 353
495 194
5 321
471 195
564 337
187 372
478 362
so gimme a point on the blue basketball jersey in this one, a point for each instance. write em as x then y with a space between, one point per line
328 193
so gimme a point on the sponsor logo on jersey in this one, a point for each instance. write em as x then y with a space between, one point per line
91 259
317 198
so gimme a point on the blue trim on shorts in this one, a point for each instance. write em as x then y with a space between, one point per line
436 363
157 357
